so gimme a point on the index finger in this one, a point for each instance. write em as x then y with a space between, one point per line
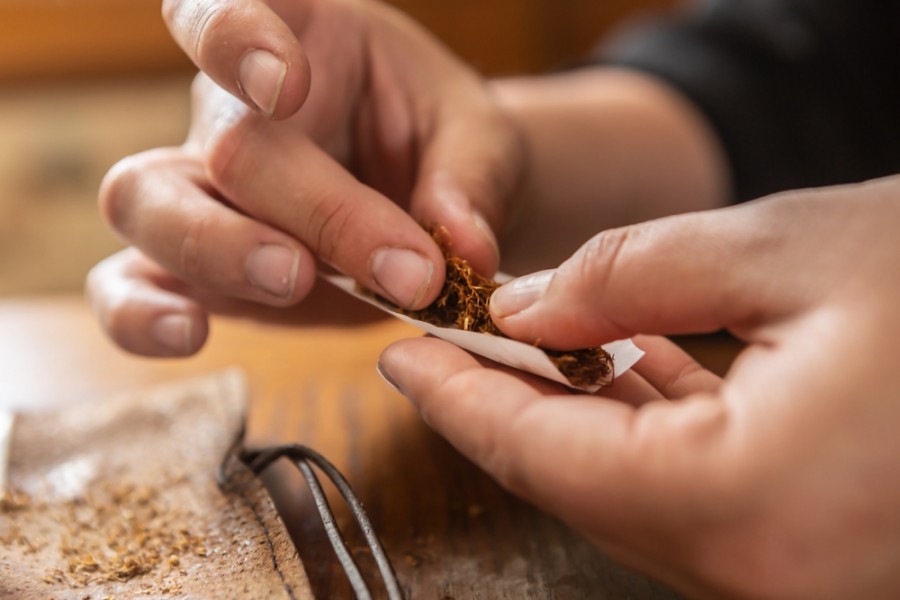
592 461
281 177
245 47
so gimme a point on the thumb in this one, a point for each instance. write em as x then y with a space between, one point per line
246 48
689 273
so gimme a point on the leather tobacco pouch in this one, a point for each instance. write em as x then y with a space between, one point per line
130 497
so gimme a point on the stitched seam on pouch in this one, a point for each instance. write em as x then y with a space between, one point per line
272 553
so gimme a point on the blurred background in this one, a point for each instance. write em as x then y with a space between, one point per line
84 83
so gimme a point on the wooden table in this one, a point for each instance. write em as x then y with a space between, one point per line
451 532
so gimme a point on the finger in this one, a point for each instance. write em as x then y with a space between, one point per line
137 307
450 386
246 48
159 202
591 460
470 169
686 274
284 179
468 156
629 387
671 370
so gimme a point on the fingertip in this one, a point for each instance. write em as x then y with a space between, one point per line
520 294
246 48
391 361
274 270
156 324
386 376
137 310
296 86
261 78
116 189
394 368
473 239
274 85
470 235
402 362
419 368
411 279
150 321
471 168
178 334
409 269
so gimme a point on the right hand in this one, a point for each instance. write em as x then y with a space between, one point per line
778 481
393 132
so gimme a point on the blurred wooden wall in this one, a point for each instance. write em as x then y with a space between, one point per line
74 38
42 39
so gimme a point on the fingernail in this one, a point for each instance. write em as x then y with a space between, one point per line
403 274
261 76
482 225
173 332
519 294
273 269
379 368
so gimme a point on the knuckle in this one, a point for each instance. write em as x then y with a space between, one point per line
599 259
588 275
189 254
681 379
225 156
328 224
127 184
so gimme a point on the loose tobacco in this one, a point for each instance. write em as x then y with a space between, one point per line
464 304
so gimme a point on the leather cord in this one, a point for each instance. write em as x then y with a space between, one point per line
302 456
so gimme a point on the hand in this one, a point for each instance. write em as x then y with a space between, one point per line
779 481
393 132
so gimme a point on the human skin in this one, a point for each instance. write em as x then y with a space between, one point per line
778 481
394 132
388 131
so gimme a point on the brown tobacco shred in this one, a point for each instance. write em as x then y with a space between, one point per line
111 534
121 532
463 304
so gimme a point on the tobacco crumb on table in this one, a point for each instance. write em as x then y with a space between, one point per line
114 533
412 560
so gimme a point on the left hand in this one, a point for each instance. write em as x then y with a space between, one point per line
780 481
394 133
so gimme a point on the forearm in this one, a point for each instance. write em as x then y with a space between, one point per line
606 147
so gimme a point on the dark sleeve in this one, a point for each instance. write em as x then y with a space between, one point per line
801 92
